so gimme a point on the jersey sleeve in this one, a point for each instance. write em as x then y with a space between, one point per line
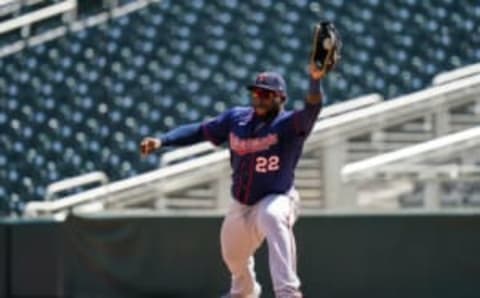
216 130
302 121
183 135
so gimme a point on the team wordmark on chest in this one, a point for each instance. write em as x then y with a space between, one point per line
251 145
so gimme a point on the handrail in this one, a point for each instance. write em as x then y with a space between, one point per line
460 73
443 146
219 156
38 15
420 171
9 6
102 192
73 25
12 6
69 183
404 107
341 126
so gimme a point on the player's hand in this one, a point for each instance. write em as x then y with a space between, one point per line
315 72
149 144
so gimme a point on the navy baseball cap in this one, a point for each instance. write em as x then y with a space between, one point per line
270 81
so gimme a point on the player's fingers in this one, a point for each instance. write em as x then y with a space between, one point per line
148 145
144 147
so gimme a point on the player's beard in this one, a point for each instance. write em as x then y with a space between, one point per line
266 110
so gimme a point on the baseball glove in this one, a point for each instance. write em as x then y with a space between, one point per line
326 46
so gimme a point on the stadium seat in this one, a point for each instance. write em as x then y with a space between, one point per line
83 101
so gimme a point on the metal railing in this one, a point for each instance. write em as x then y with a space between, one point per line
329 140
68 10
54 189
446 146
463 72
158 184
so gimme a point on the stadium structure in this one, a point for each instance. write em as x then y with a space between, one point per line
84 81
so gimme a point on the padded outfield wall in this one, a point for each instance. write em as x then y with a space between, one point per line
3 259
411 255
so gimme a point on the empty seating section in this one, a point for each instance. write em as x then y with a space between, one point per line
82 102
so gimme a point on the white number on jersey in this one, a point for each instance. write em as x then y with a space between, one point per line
264 164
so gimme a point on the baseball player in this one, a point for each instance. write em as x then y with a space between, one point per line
265 143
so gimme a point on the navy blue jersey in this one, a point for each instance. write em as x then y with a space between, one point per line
263 154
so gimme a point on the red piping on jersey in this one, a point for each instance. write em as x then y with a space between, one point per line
249 184
239 182
208 136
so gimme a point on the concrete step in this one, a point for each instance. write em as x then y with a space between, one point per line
199 192
310 193
467 119
307 173
312 204
413 127
308 163
369 147
407 136
308 183
189 203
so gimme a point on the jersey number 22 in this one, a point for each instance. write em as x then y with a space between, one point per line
269 164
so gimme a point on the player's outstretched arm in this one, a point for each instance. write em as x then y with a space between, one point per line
180 136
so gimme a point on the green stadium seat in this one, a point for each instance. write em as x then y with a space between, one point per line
93 93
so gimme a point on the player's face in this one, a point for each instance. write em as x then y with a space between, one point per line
264 101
